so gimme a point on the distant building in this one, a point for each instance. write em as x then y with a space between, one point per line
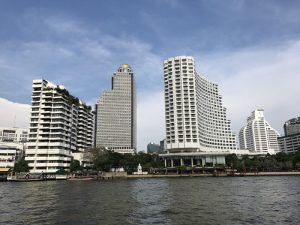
197 129
10 153
258 136
8 134
13 142
153 148
116 114
85 158
292 126
59 125
290 142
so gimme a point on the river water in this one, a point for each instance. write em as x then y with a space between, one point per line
211 200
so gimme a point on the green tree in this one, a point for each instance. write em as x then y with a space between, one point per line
75 165
61 171
21 166
231 159
296 159
101 159
282 157
104 160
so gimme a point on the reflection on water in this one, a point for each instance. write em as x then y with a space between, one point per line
243 200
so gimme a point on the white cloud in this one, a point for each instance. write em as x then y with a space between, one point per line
264 77
83 60
14 114
78 56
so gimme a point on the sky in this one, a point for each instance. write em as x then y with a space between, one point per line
251 49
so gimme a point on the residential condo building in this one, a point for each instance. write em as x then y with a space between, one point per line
197 130
116 114
258 136
60 124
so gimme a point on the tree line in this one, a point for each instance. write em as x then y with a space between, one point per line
105 160
269 163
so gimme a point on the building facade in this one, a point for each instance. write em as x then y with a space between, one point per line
59 125
85 129
13 143
153 148
195 117
10 153
258 136
8 134
292 126
116 114
290 142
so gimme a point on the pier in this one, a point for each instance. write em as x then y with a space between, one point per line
27 177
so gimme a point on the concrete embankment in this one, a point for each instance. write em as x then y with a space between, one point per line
215 175
273 174
112 176
125 176
173 175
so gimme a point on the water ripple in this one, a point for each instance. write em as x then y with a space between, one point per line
244 200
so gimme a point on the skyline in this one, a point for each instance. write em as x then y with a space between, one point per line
250 49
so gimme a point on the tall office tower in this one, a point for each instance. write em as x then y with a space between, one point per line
195 117
60 124
116 113
290 142
258 135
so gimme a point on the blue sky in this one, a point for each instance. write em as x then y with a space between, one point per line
250 48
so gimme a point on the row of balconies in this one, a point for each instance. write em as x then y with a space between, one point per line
177 64
31 165
35 100
49 158
88 133
60 137
50 151
37 90
47 139
84 135
88 128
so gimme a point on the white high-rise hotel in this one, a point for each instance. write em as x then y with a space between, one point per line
258 136
116 113
60 124
196 124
